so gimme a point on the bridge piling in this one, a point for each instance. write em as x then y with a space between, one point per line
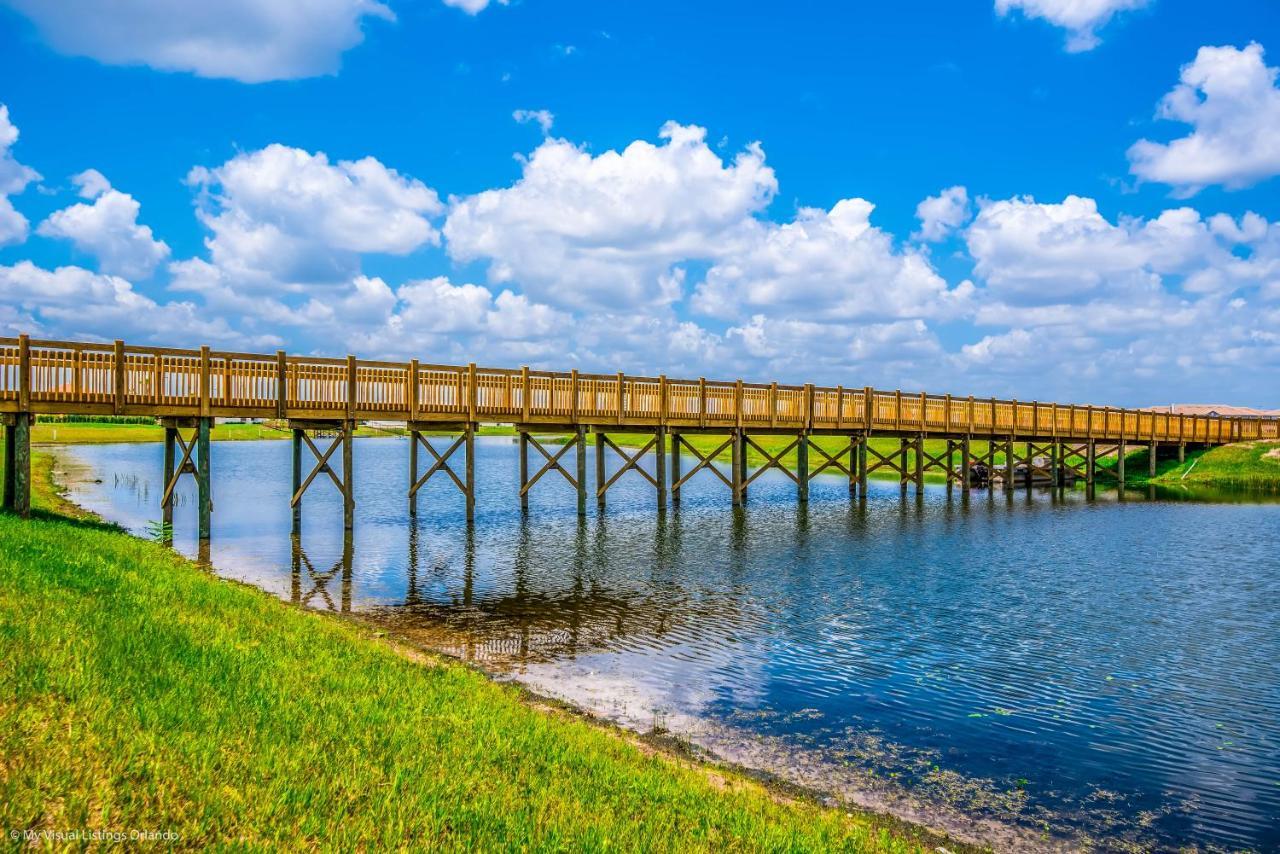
1151 459
802 469
675 468
204 478
17 463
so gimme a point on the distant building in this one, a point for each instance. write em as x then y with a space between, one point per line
1220 409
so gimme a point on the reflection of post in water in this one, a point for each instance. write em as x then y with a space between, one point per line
320 580
412 596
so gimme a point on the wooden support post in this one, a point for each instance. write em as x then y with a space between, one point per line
660 467
802 469
743 467
297 479
853 466
470 466
902 462
1029 464
951 451
964 465
348 479
582 470
919 469
1182 452
675 468
600 478
1151 460
524 470
1121 450
736 456
414 438
1008 460
862 465
170 445
17 468
1090 460
119 381
204 476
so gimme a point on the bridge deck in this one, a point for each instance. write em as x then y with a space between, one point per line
38 376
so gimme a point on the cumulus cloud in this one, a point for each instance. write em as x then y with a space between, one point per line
14 178
247 40
833 265
942 214
1230 99
1124 302
74 302
1032 253
108 229
542 118
283 219
604 231
1081 18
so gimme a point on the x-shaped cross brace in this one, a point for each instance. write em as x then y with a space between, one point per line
553 462
832 461
441 464
184 466
704 462
883 461
771 461
630 462
928 460
322 465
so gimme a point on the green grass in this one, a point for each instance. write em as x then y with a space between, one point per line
137 691
1246 465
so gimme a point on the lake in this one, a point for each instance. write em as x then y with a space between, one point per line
1034 669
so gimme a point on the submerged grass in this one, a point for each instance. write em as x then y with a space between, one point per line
138 692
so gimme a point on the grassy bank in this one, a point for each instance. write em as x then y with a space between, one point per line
138 692
1246 465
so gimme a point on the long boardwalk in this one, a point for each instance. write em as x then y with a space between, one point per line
324 399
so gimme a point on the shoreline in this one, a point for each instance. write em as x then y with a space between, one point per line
723 773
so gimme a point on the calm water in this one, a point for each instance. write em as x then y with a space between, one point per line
1075 670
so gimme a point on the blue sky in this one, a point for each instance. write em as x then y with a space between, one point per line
340 176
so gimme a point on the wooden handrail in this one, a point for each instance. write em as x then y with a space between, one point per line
66 376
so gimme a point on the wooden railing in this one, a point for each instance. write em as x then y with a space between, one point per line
72 377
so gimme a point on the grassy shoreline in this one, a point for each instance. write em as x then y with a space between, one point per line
140 692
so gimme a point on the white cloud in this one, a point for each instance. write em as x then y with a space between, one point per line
283 218
1082 18
1036 254
604 231
73 302
1231 100
543 118
832 265
14 178
247 40
473 7
108 229
942 214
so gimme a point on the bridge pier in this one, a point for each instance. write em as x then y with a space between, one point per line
194 460
1120 455
1151 459
466 442
552 462
17 463
1182 452
342 434
631 462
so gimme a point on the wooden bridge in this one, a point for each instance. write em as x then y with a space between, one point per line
187 389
